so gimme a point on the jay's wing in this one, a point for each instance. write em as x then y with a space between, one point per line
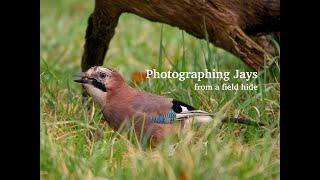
166 110
181 111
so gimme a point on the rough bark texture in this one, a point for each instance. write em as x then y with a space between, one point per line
228 23
100 30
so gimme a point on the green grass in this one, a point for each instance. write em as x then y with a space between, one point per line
68 152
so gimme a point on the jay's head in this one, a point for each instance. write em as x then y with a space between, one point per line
99 80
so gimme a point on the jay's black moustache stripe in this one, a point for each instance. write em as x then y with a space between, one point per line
99 85
93 82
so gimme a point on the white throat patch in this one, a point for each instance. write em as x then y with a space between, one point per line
97 95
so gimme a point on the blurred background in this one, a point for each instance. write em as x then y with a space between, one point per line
67 148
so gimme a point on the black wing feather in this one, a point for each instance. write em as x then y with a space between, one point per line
176 106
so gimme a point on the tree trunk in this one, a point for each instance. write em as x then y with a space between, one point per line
228 24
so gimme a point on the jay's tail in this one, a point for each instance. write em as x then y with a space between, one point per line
244 121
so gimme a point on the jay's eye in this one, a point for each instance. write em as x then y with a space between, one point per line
102 75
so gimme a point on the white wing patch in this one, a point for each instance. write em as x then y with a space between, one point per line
184 108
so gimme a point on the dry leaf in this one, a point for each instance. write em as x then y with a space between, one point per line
138 76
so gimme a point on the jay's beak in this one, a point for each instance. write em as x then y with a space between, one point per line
80 74
82 78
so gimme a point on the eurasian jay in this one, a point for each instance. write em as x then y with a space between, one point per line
150 114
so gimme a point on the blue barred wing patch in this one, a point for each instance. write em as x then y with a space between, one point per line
164 118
